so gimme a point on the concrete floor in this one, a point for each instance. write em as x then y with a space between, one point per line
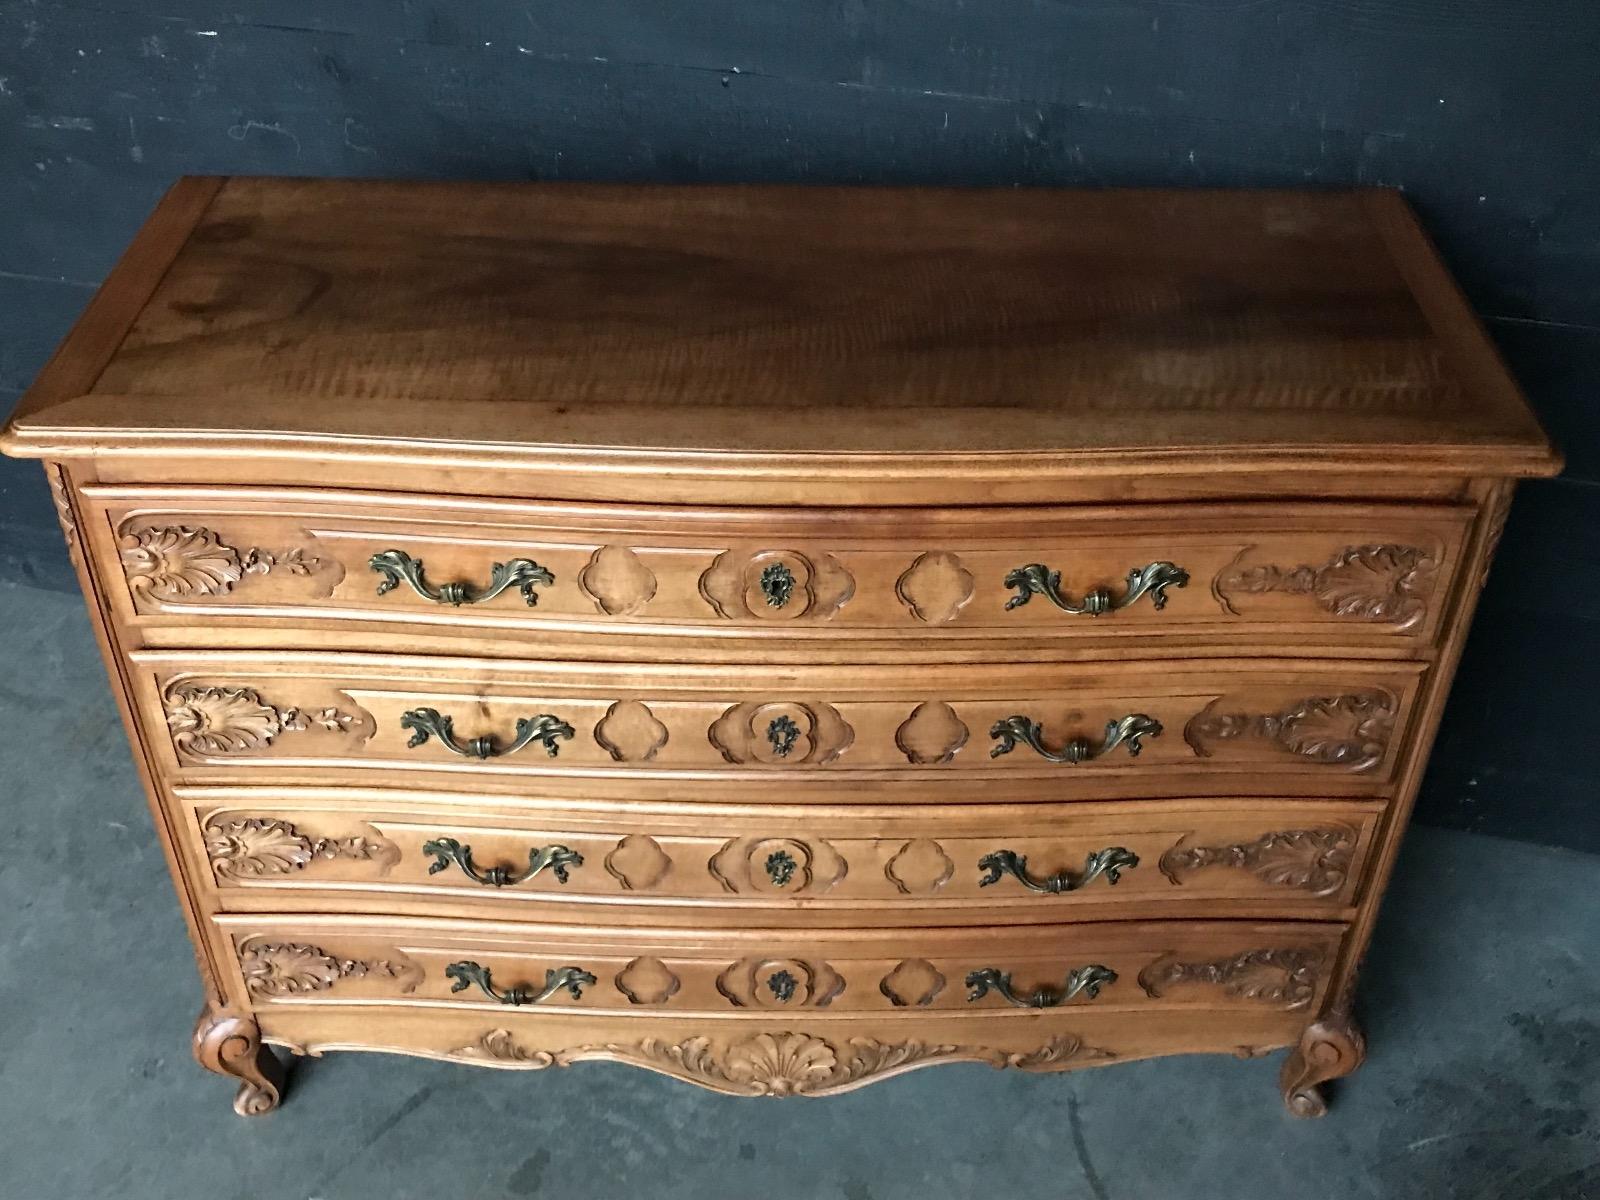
1481 1002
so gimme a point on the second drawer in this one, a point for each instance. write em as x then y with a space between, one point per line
263 847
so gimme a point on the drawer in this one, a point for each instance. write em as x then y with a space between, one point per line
979 973
1046 730
267 848
636 582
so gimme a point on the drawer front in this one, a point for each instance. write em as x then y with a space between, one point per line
840 581
1161 728
978 973
269 847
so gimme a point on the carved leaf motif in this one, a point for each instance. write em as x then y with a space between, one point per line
1351 730
1286 977
935 587
617 581
630 732
1313 860
499 1046
638 863
931 734
1387 583
290 969
1052 1054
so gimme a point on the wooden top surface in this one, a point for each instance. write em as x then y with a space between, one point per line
1160 330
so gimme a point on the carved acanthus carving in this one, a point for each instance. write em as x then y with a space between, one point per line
1313 860
776 585
1350 730
1386 583
176 562
252 847
499 1047
236 720
292 969
1284 977
782 1064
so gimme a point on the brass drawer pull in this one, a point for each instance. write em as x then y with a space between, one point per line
1110 862
1129 730
447 850
1087 980
573 979
428 722
1036 579
397 565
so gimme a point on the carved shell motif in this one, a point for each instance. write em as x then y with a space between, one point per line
175 562
233 720
253 847
291 969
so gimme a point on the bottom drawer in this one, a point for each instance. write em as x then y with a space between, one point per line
985 973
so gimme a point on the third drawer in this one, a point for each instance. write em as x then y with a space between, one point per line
431 852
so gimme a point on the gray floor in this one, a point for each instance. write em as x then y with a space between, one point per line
1480 1000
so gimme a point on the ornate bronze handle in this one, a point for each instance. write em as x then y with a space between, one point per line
397 565
428 722
1129 730
573 979
1110 862
447 850
1087 980
1036 579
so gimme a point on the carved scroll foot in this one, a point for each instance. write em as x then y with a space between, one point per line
230 1044
1329 1049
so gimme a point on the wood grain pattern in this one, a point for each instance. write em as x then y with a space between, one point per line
809 739
1113 329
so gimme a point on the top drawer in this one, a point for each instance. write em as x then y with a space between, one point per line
629 581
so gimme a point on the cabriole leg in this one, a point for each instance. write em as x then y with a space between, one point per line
1329 1049
230 1044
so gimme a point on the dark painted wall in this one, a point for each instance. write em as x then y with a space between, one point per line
1485 111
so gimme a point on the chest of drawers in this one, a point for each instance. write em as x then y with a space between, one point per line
778 637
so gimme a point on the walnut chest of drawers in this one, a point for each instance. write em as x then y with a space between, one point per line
779 637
